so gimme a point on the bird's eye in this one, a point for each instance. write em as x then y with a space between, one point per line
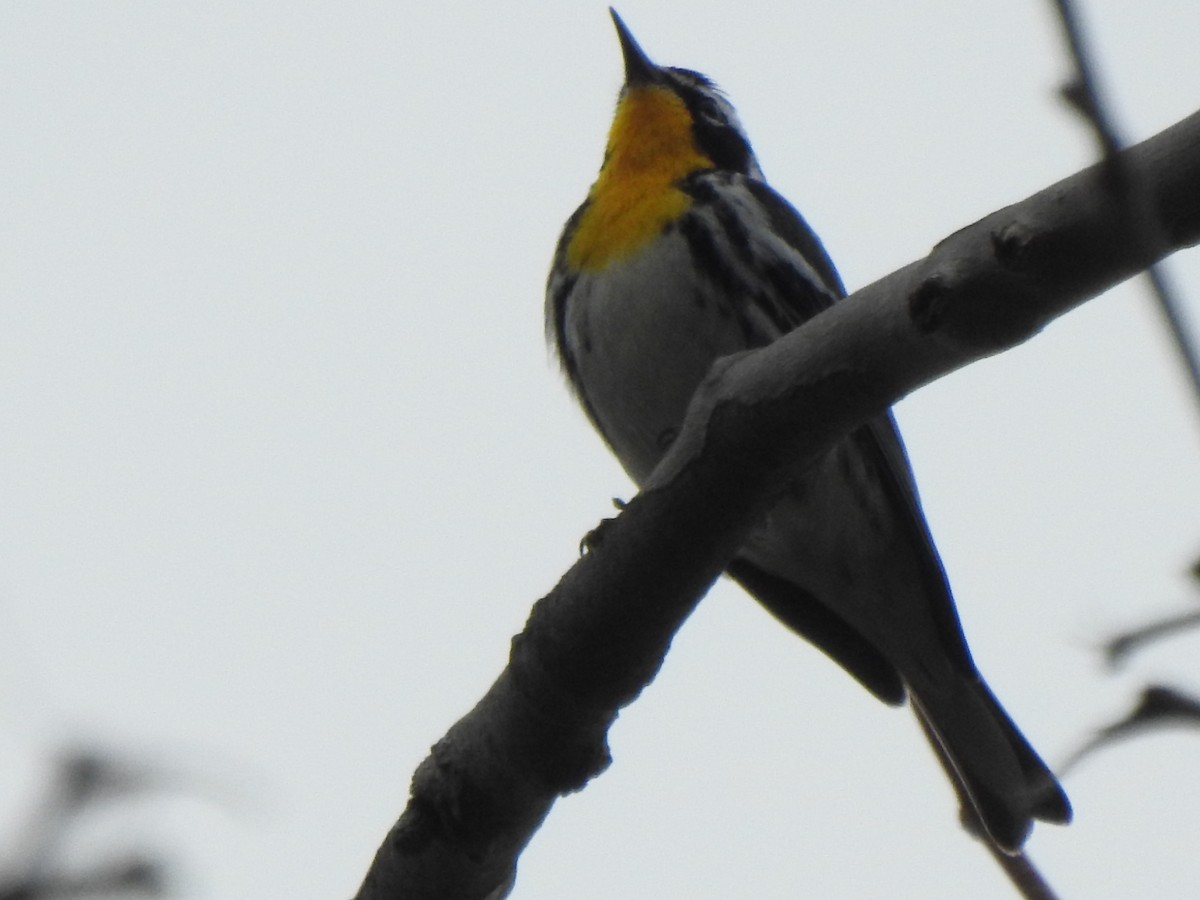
709 109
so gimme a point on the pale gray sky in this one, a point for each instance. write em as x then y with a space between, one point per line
284 463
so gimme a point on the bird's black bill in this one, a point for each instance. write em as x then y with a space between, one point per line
638 67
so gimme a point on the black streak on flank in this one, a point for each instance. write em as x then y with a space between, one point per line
735 232
770 306
790 225
752 333
700 187
707 256
795 298
562 292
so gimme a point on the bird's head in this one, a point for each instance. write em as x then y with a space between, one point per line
673 119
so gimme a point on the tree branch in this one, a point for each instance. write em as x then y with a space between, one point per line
600 636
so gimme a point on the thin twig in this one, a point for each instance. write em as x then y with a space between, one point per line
1158 707
1084 95
1118 649
1023 874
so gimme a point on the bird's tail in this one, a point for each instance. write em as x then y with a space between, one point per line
1004 779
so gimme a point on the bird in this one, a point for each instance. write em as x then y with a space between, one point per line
682 254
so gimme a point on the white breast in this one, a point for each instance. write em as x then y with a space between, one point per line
644 333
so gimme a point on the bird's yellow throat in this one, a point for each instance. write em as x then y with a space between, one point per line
650 148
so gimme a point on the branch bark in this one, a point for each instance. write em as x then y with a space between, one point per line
600 636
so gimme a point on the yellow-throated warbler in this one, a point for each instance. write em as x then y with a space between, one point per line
682 254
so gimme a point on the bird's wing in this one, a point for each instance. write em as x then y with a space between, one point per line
823 628
880 442
881 439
